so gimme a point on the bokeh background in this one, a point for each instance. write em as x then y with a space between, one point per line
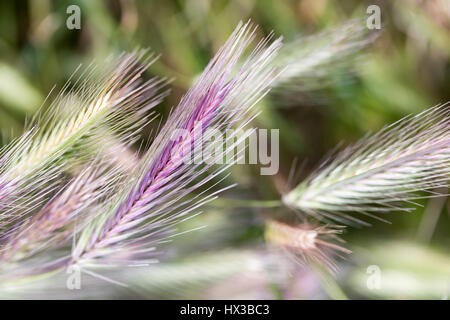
404 71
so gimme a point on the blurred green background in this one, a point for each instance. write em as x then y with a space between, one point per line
404 71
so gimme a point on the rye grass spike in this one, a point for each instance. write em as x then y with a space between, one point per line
311 61
308 244
144 214
110 96
55 222
402 162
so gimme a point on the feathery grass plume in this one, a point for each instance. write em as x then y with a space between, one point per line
380 171
42 244
116 142
109 96
54 223
310 60
310 244
144 213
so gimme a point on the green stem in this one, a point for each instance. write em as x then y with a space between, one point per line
233 203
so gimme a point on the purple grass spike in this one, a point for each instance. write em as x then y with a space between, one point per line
145 213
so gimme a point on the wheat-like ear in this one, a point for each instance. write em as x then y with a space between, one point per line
381 170
143 213
103 95
308 244
111 96
309 62
54 223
